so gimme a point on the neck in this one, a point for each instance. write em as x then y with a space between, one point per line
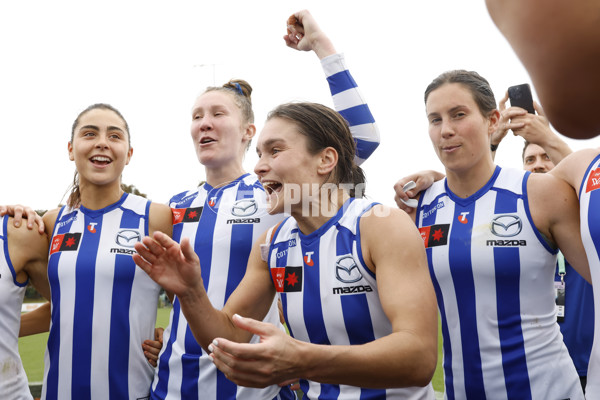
316 213
217 177
97 197
468 182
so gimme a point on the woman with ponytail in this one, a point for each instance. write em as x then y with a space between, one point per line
102 306
225 215
360 308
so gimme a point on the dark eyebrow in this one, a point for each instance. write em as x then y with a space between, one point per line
94 127
452 110
270 142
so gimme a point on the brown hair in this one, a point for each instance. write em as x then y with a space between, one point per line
74 199
478 86
324 127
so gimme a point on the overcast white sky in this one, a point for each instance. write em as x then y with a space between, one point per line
151 58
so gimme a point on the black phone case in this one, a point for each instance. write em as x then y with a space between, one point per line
520 96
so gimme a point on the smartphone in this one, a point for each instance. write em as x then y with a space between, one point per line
520 96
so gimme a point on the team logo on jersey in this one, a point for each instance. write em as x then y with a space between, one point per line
212 201
287 279
244 208
128 237
593 182
462 218
186 214
435 235
92 227
346 270
308 258
65 242
506 225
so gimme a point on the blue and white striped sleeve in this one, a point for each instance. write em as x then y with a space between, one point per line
348 101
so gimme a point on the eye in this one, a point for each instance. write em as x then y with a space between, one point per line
435 120
460 114
219 113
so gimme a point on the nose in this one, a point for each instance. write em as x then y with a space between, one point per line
102 141
205 123
261 166
539 167
446 129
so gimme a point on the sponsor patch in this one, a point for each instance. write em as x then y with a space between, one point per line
435 235
186 214
287 279
65 242
593 182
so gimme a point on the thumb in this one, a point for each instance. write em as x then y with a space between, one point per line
538 108
158 334
253 326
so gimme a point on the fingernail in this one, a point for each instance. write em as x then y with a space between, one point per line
216 342
210 348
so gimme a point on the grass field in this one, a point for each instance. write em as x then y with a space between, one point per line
32 353
32 348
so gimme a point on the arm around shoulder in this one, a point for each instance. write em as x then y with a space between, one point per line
573 167
28 250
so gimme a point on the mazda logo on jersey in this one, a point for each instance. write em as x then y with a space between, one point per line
506 225
244 208
346 270
128 237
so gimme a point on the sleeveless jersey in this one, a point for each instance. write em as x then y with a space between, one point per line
493 275
13 380
329 296
222 224
223 242
589 203
103 306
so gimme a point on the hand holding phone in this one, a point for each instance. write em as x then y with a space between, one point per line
520 96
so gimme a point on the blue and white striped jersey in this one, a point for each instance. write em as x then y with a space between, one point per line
223 245
329 296
13 380
222 224
103 306
493 275
589 202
